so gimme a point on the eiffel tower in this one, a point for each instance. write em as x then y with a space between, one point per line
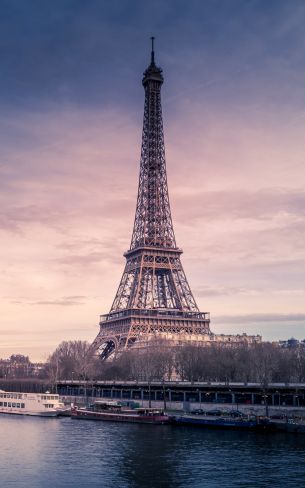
154 298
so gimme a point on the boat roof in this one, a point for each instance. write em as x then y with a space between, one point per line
102 402
148 409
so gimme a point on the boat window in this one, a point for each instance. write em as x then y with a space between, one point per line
9 404
14 405
22 405
18 405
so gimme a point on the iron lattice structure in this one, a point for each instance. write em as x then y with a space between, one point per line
154 298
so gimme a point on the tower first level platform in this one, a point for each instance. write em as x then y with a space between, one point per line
136 328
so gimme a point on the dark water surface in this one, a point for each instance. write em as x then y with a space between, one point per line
38 453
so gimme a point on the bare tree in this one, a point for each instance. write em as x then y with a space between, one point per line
71 358
261 363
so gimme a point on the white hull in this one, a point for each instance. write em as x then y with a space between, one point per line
37 404
36 414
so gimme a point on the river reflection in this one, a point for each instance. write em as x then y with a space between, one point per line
37 452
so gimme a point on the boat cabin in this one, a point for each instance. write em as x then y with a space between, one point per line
149 411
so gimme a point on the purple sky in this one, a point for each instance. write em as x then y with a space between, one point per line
71 119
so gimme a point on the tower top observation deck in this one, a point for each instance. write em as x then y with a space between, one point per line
152 73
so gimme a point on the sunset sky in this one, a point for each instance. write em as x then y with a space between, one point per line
71 120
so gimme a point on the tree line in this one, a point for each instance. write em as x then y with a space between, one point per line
260 363
19 366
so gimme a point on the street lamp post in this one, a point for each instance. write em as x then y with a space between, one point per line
278 398
164 396
265 397
199 397
149 395
72 386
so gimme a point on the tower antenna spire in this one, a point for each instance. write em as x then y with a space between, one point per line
152 50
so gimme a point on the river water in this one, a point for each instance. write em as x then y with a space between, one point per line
63 453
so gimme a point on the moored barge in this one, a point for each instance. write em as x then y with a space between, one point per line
247 423
111 411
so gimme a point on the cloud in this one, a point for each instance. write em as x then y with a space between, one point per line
85 260
16 218
214 291
69 301
256 205
259 318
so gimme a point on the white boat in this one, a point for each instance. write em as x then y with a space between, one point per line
41 404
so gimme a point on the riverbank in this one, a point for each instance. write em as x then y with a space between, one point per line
280 399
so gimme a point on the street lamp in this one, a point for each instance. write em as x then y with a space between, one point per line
207 396
149 395
242 400
199 397
279 397
164 395
265 397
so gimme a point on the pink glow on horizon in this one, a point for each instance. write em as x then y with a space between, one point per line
68 195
